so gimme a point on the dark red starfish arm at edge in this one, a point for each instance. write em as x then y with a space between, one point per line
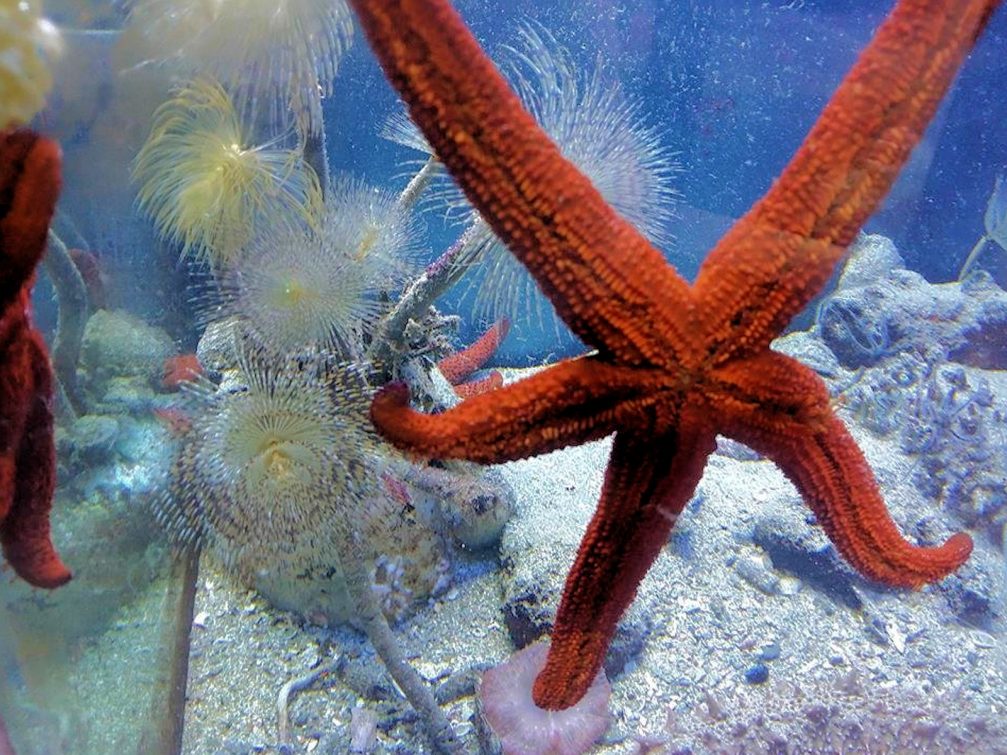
29 186
675 364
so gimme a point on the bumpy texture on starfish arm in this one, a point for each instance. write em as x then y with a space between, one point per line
29 185
675 365
573 402
779 407
549 214
776 258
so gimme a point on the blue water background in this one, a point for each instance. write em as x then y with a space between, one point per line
733 88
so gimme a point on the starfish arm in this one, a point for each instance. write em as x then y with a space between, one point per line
458 366
13 408
29 185
776 258
647 484
781 408
24 531
585 257
570 403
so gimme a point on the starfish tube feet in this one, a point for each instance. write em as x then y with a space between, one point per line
29 186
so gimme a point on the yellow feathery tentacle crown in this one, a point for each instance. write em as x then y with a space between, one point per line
207 188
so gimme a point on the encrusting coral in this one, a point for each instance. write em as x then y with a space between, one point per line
207 187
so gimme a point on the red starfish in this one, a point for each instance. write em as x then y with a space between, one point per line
675 364
29 186
181 368
458 366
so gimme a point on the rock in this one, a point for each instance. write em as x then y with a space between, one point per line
757 674
756 570
770 652
132 395
807 347
885 308
858 334
870 258
472 503
118 344
975 592
92 439
801 553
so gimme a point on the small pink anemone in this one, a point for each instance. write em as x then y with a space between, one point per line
526 729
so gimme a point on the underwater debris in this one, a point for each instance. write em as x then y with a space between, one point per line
207 187
293 687
261 51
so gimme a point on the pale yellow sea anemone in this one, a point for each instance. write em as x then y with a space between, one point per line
26 39
207 188
281 477
323 288
264 469
275 56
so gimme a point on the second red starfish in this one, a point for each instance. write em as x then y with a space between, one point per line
675 364
29 186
